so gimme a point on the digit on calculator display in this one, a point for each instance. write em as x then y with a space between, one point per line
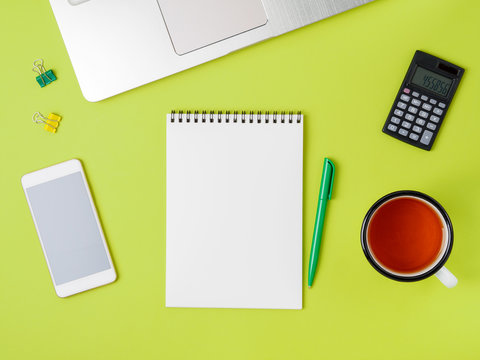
431 81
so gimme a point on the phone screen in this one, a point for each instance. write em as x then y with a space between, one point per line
68 228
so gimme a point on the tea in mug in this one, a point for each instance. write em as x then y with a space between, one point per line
405 235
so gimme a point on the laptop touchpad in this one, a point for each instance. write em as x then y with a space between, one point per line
193 24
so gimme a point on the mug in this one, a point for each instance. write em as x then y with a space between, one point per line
408 236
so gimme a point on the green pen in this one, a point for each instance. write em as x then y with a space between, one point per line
324 195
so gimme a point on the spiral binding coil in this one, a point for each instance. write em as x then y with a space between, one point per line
258 117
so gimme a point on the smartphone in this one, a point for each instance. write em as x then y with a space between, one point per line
68 228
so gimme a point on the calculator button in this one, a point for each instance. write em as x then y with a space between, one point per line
434 118
405 97
395 120
431 126
427 107
442 105
415 94
423 114
416 102
437 111
409 117
403 132
417 129
406 91
401 105
406 124
420 122
392 127
398 112
433 101
413 136
426 137
413 110
424 98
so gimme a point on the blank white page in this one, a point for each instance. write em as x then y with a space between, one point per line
234 212
193 24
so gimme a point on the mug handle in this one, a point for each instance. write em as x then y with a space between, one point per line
446 277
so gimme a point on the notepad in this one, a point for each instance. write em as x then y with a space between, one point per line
234 210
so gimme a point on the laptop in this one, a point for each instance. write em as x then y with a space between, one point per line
118 45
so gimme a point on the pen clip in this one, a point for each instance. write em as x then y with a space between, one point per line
329 162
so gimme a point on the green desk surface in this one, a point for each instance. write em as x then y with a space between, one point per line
343 73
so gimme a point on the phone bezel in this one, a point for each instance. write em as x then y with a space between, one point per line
52 173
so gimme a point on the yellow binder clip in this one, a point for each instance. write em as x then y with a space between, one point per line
51 121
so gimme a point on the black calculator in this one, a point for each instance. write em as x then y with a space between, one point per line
423 100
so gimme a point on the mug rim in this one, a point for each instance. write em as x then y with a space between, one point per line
374 208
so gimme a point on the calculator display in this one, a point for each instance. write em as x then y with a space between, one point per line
431 81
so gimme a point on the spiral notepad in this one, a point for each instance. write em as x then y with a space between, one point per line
234 210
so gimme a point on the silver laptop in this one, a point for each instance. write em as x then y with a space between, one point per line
117 45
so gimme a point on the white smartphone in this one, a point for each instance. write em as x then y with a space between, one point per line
68 227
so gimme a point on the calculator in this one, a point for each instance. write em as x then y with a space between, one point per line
423 100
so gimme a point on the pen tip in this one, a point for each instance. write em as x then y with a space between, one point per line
309 286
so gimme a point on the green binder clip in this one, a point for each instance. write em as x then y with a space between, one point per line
44 77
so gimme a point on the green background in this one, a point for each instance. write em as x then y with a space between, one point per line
343 74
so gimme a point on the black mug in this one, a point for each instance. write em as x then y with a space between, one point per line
408 236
